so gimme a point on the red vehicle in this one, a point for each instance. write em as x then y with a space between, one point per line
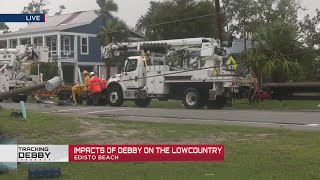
262 95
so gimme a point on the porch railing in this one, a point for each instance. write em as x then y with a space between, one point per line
64 55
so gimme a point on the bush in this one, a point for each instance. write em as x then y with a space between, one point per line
49 70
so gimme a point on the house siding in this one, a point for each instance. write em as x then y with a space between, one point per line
94 46
94 51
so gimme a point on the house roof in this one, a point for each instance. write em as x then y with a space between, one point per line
59 22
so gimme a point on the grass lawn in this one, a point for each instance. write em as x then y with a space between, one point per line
250 153
242 104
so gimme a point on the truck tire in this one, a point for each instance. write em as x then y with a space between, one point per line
219 103
192 99
63 96
1 100
115 97
143 102
19 98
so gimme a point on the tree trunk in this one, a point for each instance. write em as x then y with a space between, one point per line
108 62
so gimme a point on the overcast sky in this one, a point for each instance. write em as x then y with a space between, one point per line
129 10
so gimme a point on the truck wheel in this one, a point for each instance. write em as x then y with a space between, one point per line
191 99
63 96
20 98
1 100
143 102
115 97
219 103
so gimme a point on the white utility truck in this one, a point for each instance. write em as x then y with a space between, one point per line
191 70
15 68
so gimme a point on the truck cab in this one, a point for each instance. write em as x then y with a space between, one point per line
130 84
133 73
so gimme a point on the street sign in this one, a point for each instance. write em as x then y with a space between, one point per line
232 63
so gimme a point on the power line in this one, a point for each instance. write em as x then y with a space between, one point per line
185 19
170 22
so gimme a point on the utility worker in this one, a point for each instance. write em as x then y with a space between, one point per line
249 74
95 88
103 84
78 89
103 94
254 88
86 78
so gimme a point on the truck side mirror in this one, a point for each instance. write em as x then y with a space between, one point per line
123 72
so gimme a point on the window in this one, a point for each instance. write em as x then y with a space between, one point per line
39 42
66 45
131 65
84 41
28 42
13 44
53 46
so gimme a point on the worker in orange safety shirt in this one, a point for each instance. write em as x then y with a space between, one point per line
95 88
103 84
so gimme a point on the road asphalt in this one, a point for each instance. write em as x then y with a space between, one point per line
300 120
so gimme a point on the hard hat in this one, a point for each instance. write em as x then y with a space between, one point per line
85 72
92 73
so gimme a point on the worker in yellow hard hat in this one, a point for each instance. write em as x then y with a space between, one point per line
78 89
86 78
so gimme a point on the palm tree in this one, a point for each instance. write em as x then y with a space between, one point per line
276 54
107 6
115 29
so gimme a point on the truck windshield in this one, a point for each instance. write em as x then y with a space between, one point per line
131 65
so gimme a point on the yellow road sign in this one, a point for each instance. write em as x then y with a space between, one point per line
232 62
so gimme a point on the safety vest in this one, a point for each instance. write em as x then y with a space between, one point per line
103 84
95 85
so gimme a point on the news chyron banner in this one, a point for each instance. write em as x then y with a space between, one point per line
29 18
111 153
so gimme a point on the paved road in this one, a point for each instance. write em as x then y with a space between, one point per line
259 118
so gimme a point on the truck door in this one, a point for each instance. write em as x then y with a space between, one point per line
130 74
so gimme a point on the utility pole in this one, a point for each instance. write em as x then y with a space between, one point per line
218 19
245 32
